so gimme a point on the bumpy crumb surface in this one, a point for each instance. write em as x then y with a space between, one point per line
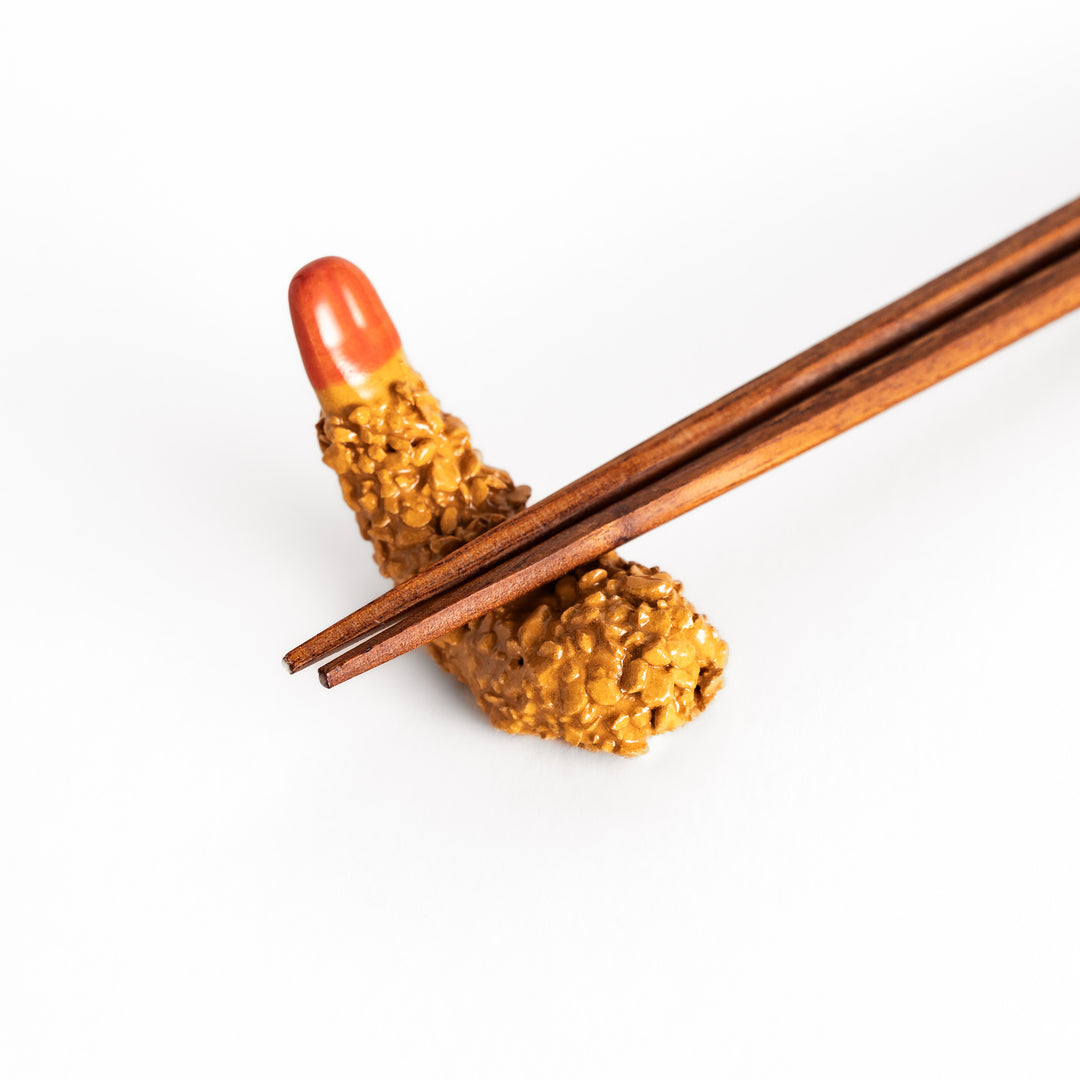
605 657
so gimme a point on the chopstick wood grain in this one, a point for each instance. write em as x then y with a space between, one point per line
1011 314
911 317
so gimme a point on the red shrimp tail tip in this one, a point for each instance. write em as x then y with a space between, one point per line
340 323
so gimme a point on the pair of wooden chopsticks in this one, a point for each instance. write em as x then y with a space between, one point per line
986 303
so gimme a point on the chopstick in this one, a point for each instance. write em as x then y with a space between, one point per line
1009 315
904 320
914 315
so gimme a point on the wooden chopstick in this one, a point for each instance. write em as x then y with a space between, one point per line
1009 315
902 321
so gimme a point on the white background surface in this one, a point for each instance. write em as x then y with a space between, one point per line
861 861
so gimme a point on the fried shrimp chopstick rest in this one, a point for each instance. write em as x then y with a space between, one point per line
604 658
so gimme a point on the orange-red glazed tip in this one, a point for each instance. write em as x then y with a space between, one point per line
341 327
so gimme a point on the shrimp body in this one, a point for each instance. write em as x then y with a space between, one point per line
605 657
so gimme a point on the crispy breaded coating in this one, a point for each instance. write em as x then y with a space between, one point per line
605 657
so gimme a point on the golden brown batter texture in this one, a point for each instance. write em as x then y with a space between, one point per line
604 658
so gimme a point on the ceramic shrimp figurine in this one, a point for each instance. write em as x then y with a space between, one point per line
604 658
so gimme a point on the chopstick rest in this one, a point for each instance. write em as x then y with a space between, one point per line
608 655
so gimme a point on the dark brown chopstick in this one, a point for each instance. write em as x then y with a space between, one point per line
1011 314
902 321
